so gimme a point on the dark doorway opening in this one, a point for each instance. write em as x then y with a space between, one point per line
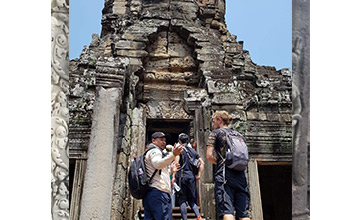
71 177
171 128
275 188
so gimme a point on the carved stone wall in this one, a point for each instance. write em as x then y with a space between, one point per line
59 110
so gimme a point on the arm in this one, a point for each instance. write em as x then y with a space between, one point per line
158 162
210 150
210 154
175 165
201 169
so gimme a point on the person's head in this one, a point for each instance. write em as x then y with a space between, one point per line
147 145
221 119
183 138
158 138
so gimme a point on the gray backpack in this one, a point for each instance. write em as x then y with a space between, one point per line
236 156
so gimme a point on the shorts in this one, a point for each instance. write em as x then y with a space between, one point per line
188 191
232 197
157 205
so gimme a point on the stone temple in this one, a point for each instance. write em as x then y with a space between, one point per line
167 65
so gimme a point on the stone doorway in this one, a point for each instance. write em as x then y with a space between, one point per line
276 192
76 179
171 127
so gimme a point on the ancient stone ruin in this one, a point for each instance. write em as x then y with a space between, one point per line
168 65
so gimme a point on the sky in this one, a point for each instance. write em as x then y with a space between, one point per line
263 25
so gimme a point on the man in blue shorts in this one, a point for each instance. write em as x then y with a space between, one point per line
231 190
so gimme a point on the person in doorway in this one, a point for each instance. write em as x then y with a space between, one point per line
157 202
231 190
174 167
186 177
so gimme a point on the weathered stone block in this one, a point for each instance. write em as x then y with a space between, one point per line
272 117
212 65
123 44
178 50
154 22
135 61
210 57
132 53
256 116
120 7
226 98
183 63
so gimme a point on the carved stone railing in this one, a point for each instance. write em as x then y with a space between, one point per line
59 109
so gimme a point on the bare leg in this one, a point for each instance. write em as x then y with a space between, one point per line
231 217
228 217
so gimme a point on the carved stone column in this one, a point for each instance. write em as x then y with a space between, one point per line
301 109
59 109
101 163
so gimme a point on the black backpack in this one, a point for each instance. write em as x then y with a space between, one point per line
236 156
137 178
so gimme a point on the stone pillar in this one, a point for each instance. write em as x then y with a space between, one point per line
101 163
59 110
254 188
301 109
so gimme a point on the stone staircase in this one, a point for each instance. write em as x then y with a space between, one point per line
176 214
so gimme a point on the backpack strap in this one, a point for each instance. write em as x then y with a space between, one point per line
152 176
150 148
187 152
182 167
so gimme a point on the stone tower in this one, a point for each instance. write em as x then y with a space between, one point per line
168 65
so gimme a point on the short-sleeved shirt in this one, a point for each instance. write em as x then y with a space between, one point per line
217 139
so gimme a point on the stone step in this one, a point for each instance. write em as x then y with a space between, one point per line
176 215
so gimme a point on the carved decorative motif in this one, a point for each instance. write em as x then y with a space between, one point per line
59 110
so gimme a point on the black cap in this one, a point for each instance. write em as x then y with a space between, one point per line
157 135
184 138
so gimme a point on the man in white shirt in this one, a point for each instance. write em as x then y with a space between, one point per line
157 201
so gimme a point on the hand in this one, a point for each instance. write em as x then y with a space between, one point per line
177 150
198 177
174 167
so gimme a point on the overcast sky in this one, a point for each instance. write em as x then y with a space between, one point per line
263 25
